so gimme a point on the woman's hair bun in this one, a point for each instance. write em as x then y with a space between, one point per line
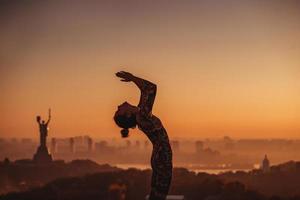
124 132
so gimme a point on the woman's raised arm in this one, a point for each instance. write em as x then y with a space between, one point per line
148 91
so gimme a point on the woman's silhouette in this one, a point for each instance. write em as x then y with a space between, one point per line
128 116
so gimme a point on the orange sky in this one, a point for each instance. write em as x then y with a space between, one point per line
222 68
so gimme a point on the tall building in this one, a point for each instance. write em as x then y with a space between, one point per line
199 146
102 147
72 145
175 145
265 166
90 144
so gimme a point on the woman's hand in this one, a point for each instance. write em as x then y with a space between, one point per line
125 76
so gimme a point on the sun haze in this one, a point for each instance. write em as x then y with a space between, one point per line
222 68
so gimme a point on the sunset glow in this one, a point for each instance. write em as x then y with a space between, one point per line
222 68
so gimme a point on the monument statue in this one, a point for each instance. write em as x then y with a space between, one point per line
42 155
43 128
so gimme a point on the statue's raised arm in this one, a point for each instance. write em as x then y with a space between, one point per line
49 116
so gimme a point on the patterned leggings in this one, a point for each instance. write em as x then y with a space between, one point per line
161 162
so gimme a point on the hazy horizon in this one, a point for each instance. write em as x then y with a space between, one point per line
222 68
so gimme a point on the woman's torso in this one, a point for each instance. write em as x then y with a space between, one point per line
153 128
162 152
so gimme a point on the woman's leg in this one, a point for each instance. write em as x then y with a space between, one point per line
161 175
160 184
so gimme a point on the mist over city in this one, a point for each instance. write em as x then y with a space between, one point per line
214 155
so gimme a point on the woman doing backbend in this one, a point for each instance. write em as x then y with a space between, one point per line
129 116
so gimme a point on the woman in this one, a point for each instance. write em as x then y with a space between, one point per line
129 116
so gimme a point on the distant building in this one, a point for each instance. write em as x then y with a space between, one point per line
175 145
26 141
228 143
72 145
90 144
103 148
265 166
199 146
